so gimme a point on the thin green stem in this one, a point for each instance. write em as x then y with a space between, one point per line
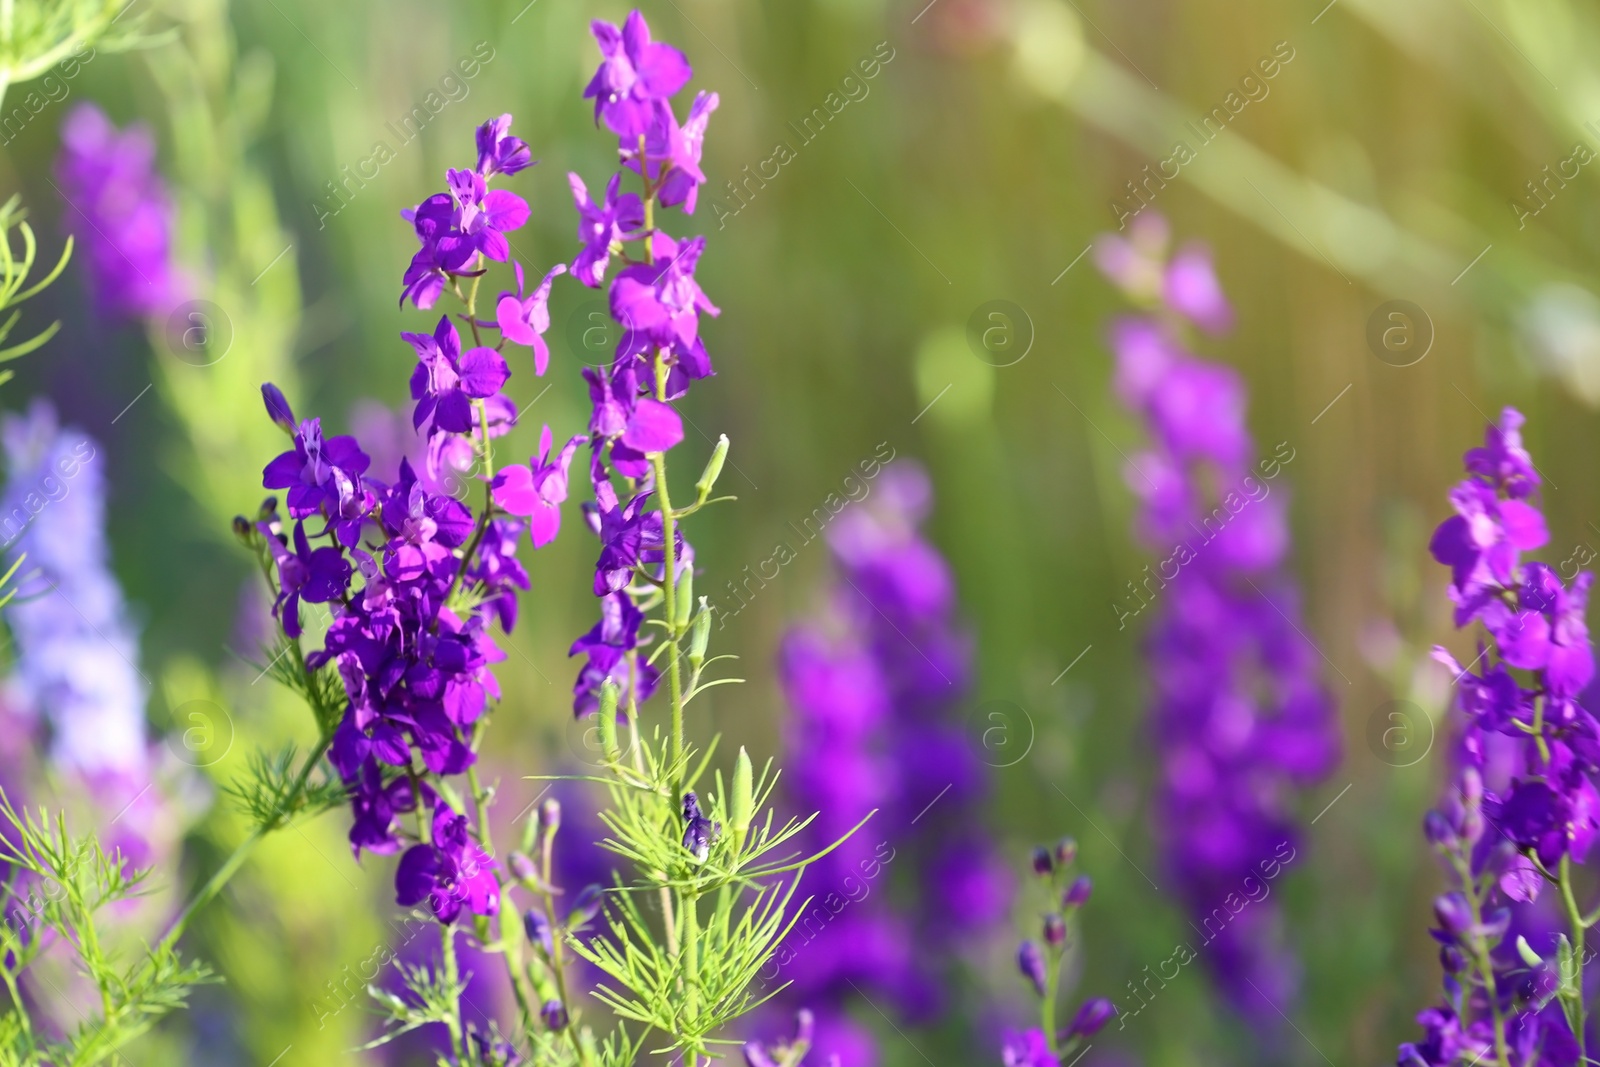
1575 920
1484 965
452 975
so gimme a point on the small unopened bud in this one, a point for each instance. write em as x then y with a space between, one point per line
684 604
1091 1018
1453 913
1055 930
1077 894
278 409
554 1014
713 471
243 530
1437 829
1452 960
1525 950
523 867
1030 961
537 926
1042 863
700 637
742 801
550 815
1066 851
585 907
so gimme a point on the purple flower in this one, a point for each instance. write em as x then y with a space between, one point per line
535 491
498 151
450 874
316 576
523 320
1190 288
1031 1048
321 476
486 215
446 382
635 75
445 250
613 220
682 185
699 832
660 305
608 645
120 213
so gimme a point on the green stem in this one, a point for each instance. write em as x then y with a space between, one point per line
669 585
1485 966
1575 919
452 975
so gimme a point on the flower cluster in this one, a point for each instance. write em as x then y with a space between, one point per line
1040 963
655 299
1523 809
873 687
1238 713
411 577
119 211
76 647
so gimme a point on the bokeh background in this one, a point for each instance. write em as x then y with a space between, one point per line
1388 160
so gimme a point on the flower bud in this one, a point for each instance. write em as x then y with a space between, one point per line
243 530
522 867
554 1014
1031 962
537 927
1055 930
805 1027
684 602
1077 894
713 469
740 809
585 907
1525 950
700 637
1453 914
550 815
278 409
1066 852
1042 863
1451 959
1094 1014
1437 829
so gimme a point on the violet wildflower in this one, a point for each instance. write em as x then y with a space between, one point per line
636 75
524 319
536 491
498 151
1238 714
119 211
874 687
1523 810
603 226
75 644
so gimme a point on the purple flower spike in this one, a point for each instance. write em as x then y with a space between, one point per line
120 213
498 151
636 75
523 320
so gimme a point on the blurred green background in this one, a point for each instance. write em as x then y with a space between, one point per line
1385 162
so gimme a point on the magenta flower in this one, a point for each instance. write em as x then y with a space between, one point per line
486 215
446 382
682 185
498 151
636 75
1031 1048
535 491
1190 288
523 320
450 874
613 220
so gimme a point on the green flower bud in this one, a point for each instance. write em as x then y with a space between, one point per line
741 808
685 600
1525 950
701 637
713 471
